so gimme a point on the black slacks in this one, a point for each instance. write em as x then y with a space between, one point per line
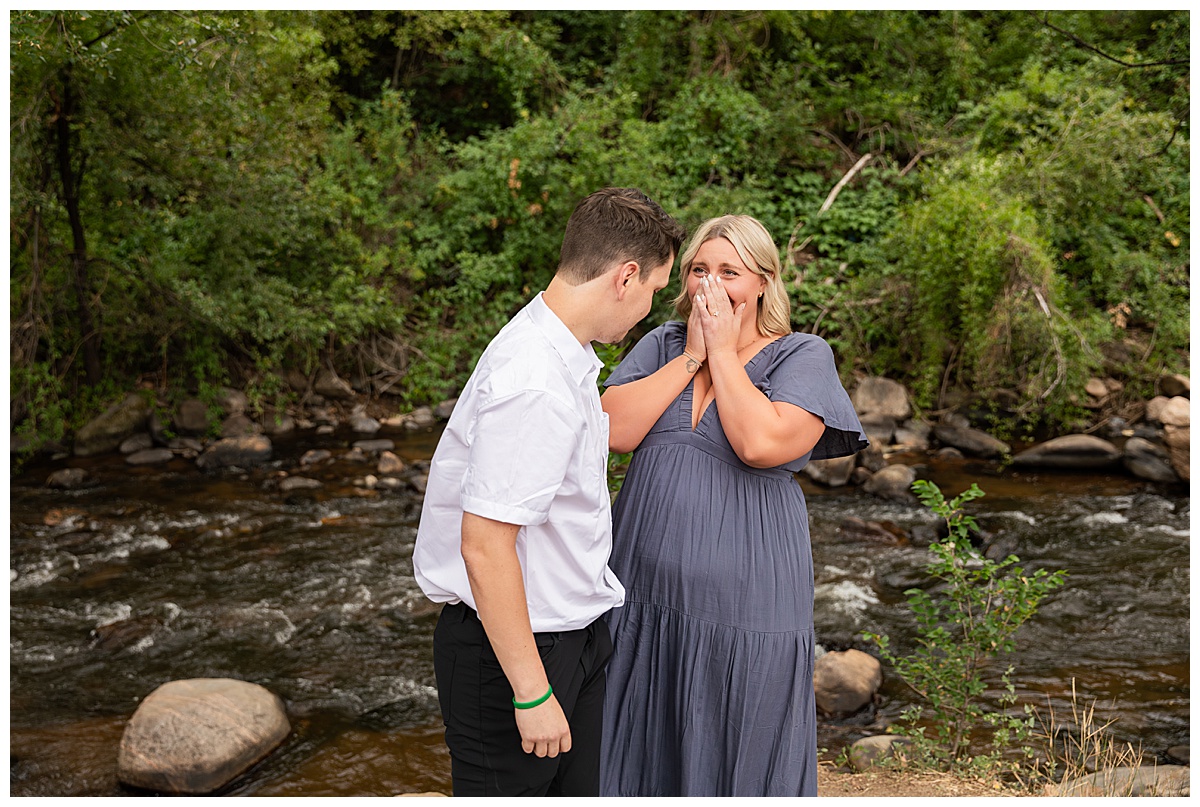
481 729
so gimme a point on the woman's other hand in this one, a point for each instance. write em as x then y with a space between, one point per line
720 322
694 346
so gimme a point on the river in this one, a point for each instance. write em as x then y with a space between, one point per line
155 574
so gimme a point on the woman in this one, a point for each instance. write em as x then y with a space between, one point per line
710 682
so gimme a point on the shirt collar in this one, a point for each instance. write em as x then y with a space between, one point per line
581 360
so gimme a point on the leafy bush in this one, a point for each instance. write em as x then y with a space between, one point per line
969 620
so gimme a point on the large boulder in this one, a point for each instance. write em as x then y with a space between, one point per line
1174 384
1146 460
1155 407
972 441
445 409
1179 445
1150 780
251 450
881 396
1177 412
893 482
238 424
831 473
114 426
150 456
845 681
913 434
193 736
191 417
67 478
870 751
879 427
1084 451
329 385
232 401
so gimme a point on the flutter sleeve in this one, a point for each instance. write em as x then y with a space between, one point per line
803 372
650 353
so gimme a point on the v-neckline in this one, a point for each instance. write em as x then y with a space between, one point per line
693 421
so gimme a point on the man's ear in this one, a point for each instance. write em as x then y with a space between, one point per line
623 276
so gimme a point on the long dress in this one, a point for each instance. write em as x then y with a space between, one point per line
710 683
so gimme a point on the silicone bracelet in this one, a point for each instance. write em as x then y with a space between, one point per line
538 702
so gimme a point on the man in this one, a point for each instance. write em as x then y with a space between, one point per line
516 532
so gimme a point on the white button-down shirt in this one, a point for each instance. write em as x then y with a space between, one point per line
527 444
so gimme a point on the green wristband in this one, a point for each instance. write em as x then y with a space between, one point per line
538 702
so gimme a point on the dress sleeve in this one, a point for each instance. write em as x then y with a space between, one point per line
804 373
650 353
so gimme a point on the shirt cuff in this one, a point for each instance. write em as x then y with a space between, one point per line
508 513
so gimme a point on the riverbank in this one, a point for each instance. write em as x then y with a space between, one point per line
835 782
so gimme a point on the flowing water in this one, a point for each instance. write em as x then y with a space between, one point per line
156 574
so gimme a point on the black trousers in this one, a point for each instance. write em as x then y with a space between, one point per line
481 729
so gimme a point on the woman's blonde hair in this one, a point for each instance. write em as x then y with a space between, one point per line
757 250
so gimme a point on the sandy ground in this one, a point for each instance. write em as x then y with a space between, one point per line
832 782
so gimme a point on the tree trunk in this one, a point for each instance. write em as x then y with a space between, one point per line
79 259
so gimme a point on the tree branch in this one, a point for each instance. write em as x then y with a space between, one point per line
1046 22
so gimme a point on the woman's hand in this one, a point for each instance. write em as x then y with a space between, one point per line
720 323
694 346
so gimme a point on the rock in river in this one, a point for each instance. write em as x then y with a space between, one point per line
845 681
193 736
972 441
250 450
893 482
109 430
1072 451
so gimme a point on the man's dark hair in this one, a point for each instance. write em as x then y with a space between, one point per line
615 225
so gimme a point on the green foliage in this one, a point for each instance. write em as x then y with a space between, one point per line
968 620
381 190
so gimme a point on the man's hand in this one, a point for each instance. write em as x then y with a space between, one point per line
544 729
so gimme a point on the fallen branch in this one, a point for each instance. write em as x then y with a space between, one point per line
1161 218
842 182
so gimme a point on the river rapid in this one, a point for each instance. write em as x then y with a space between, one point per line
155 574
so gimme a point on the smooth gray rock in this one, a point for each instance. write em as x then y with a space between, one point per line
275 422
870 751
1182 753
1177 412
1174 384
374 446
881 396
1083 451
1155 407
1147 460
232 401
872 457
329 385
364 424
845 681
893 482
831 473
1179 444
67 478
251 450
299 483
1158 780
191 417
136 443
120 421
419 418
445 409
151 456
315 455
879 427
971 441
238 425
913 434
389 463
193 736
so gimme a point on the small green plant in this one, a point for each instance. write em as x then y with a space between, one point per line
966 622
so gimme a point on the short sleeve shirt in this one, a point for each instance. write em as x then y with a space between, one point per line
527 444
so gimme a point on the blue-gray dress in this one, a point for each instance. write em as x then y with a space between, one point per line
710 684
